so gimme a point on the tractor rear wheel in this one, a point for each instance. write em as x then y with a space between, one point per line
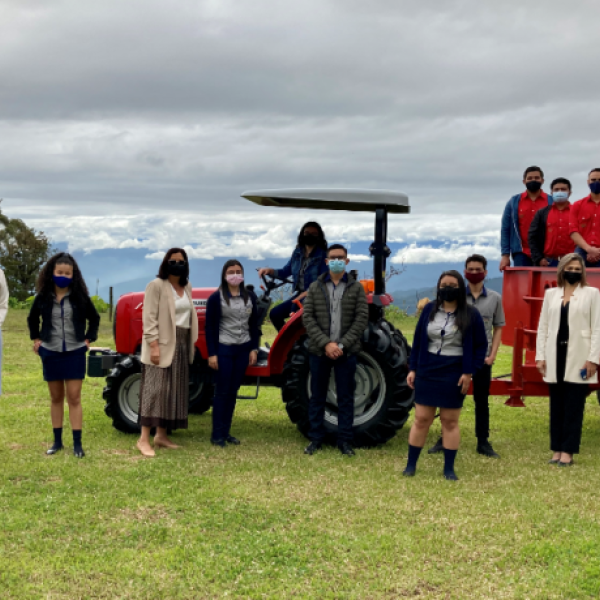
122 392
382 400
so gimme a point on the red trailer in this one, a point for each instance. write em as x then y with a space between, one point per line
522 296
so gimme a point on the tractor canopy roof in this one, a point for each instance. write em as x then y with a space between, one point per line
332 199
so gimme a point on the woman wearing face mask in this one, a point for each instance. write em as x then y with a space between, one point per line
449 346
232 337
305 265
568 353
168 349
65 308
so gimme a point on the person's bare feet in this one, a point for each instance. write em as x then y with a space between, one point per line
145 448
164 442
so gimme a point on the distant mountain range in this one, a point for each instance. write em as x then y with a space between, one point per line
407 299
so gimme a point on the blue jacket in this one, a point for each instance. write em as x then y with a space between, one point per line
510 238
474 343
316 266
213 322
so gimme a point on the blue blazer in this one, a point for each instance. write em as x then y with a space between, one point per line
474 342
213 322
316 266
510 238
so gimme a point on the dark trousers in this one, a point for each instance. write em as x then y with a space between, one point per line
282 311
583 254
481 394
520 259
344 370
567 404
233 362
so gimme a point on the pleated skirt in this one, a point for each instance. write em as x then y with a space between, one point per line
164 393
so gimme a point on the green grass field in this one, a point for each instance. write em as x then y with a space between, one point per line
264 521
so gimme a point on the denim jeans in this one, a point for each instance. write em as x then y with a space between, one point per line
282 311
233 361
344 370
520 259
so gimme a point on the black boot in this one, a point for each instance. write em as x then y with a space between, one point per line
58 445
312 448
77 447
437 447
485 448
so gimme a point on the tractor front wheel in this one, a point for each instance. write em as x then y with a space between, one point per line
382 400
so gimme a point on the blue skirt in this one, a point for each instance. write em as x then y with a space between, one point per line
59 366
436 384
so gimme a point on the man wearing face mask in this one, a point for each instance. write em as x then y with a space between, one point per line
489 304
585 222
335 316
549 234
517 218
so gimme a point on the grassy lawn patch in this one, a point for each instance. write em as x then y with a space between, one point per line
264 521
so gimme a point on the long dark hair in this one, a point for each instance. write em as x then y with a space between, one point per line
463 310
224 287
321 243
163 271
45 284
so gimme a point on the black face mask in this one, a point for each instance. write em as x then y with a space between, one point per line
176 270
572 277
448 294
533 186
309 240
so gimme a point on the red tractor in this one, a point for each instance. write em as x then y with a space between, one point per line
382 400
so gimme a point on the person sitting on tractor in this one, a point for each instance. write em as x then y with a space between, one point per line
305 265
585 225
336 314
549 234
517 217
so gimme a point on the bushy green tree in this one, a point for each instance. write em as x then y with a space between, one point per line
23 251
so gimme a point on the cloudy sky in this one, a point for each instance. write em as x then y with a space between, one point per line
128 127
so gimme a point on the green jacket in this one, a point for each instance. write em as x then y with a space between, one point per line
317 316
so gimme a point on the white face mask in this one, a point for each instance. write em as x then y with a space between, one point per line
560 196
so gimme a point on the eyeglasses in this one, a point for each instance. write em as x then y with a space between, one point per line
178 263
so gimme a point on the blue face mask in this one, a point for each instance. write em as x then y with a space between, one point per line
62 282
595 187
560 196
337 265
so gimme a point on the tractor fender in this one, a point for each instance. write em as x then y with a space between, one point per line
285 341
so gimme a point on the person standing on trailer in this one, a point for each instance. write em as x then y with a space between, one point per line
585 222
305 265
449 347
549 234
568 353
3 311
64 306
517 218
489 304
168 350
335 315
232 336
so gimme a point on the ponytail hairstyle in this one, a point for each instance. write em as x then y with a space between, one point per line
463 310
45 283
224 287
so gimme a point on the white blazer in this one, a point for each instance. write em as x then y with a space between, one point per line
584 332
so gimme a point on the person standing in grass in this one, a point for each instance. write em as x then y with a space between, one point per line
489 305
305 265
168 349
63 303
335 315
449 347
3 311
568 353
232 337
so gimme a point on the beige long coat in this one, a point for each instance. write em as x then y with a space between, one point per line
584 332
158 317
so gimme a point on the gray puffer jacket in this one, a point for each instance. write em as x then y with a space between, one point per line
317 316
